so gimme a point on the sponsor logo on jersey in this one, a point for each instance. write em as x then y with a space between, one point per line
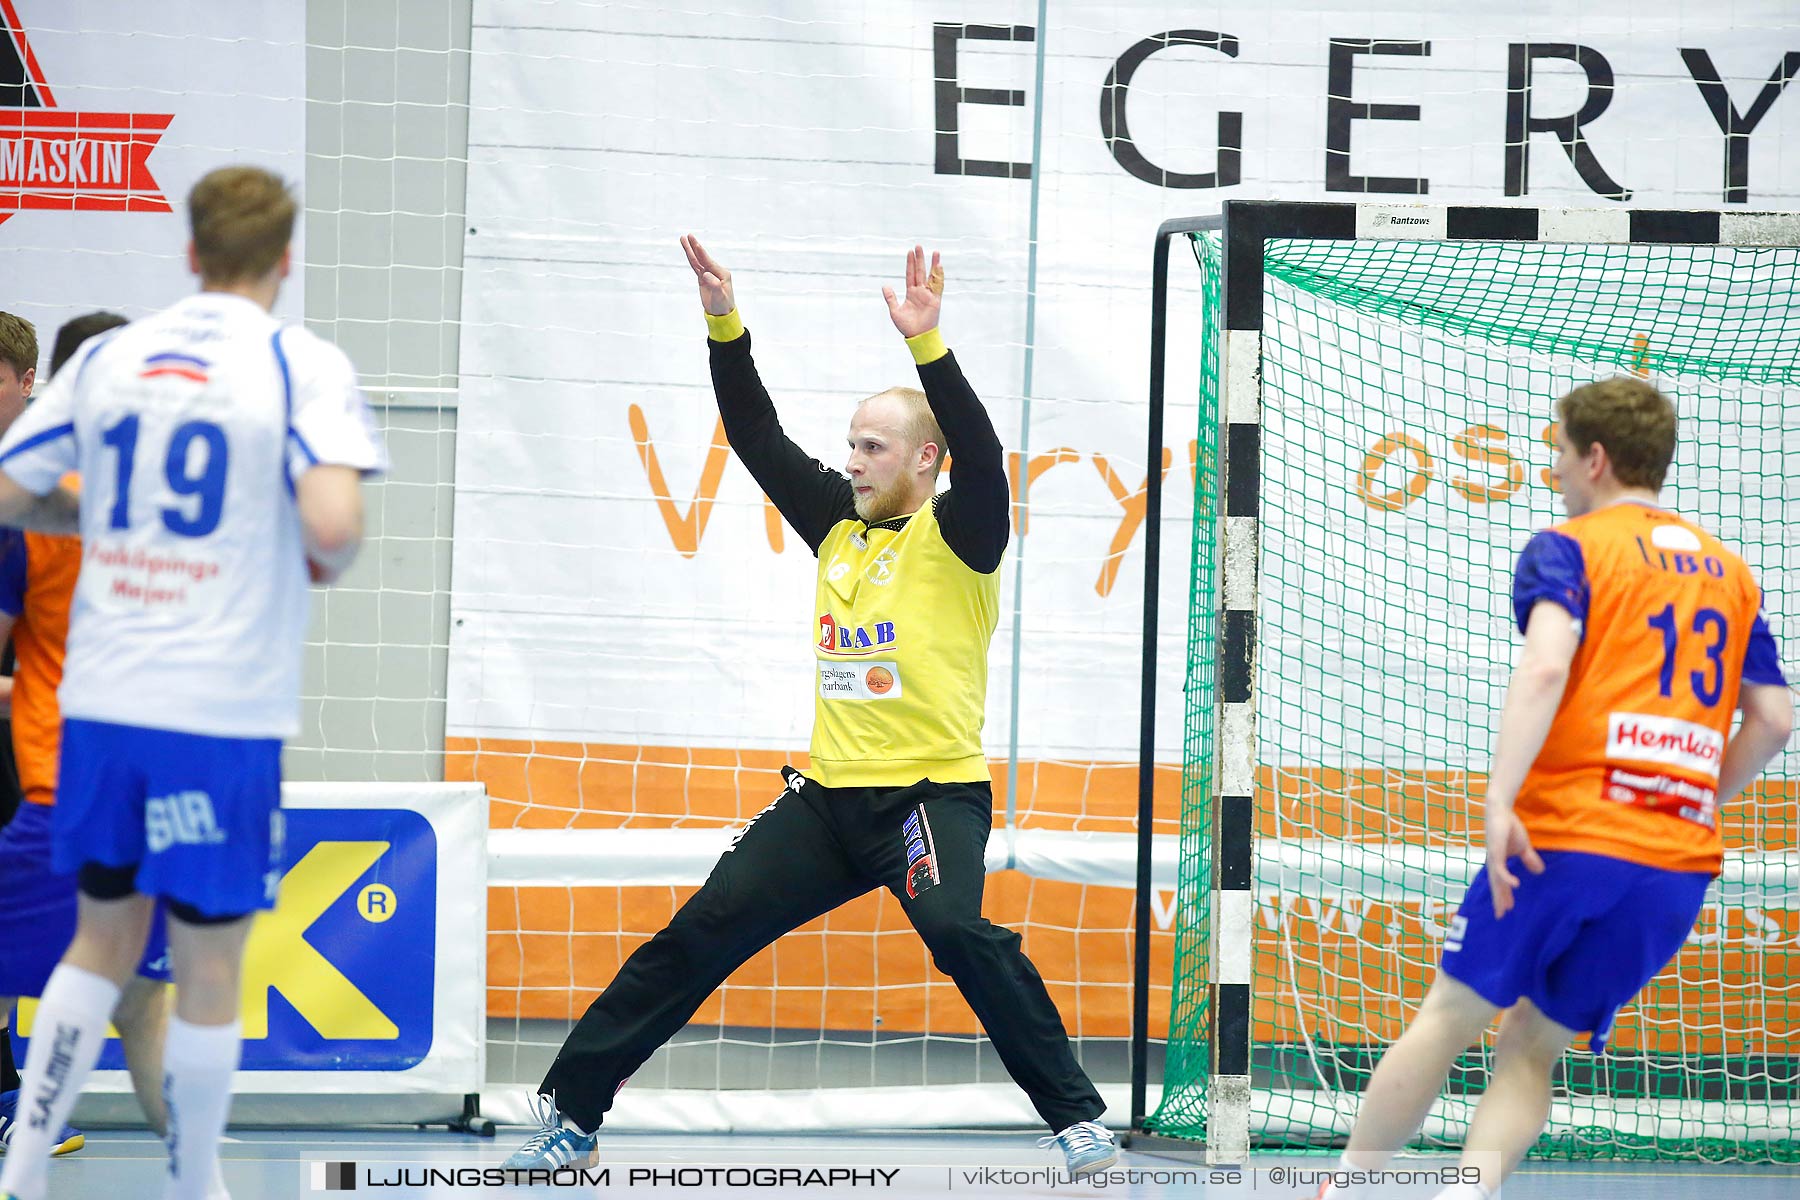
1674 537
859 680
880 570
180 366
1663 793
136 558
834 638
56 158
1638 737
1672 548
921 853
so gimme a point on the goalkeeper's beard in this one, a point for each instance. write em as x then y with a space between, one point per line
882 504
879 506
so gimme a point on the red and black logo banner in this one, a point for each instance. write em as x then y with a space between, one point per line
65 160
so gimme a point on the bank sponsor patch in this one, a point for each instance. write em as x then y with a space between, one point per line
859 680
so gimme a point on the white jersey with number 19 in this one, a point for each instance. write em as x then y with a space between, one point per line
189 429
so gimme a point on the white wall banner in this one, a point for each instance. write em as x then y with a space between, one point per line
109 112
618 579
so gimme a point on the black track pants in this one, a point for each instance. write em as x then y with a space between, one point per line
812 850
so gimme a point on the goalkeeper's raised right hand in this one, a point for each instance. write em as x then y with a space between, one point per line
715 281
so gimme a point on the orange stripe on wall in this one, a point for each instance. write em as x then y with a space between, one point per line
552 950
592 785
559 785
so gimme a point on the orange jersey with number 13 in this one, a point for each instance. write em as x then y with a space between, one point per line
1671 628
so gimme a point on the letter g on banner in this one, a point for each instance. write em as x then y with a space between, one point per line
1116 131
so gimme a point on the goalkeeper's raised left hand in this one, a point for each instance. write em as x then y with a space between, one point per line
716 295
917 310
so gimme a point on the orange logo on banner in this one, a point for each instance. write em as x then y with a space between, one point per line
53 158
1136 505
686 529
1485 445
1415 469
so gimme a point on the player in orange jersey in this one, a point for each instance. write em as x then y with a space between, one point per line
18 371
1643 635
37 585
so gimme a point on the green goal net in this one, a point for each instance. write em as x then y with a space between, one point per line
1406 392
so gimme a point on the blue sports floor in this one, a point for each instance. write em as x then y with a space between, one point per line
265 1165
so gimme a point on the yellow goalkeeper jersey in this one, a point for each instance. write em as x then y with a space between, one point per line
901 643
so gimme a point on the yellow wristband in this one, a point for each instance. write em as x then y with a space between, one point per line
928 346
728 328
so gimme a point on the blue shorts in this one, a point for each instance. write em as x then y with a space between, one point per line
38 908
199 817
1581 940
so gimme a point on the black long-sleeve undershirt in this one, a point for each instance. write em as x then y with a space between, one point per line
973 514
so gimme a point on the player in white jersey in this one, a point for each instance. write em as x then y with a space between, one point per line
221 455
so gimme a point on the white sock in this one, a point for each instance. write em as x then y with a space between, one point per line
1341 1191
65 1043
198 1062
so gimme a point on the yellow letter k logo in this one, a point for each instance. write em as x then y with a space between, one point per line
278 955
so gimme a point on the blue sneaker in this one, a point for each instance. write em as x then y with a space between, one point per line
1087 1146
70 1141
552 1147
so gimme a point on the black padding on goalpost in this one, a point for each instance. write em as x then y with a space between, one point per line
1247 224
1237 643
1491 224
1231 1028
1237 831
1692 228
1243 469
